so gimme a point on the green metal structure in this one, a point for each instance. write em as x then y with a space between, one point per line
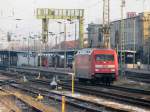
45 14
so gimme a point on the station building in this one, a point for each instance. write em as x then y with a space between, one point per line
95 38
136 33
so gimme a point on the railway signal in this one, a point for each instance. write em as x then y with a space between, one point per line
63 104
73 78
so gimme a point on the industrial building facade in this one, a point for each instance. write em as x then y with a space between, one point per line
95 38
136 33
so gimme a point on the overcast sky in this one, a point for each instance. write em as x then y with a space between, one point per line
24 9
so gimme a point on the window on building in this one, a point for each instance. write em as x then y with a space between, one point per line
100 37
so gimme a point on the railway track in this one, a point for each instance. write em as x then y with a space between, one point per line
11 74
82 104
125 95
126 98
138 77
38 69
119 93
99 86
135 77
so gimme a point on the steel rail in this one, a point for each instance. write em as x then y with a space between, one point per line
126 89
124 98
107 94
83 104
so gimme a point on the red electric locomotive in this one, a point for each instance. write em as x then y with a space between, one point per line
96 65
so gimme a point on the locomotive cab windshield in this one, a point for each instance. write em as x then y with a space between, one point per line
104 57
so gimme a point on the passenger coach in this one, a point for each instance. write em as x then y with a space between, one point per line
96 65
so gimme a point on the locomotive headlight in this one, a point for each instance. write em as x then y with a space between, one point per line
113 70
98 66
105 66
111 66
96 70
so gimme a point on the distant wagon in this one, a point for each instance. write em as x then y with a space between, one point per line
8 58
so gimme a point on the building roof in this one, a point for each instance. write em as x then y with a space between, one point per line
67 45
70 44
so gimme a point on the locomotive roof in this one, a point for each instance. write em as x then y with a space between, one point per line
89 50
85 51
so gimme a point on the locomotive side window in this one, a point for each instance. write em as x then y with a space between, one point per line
104 57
